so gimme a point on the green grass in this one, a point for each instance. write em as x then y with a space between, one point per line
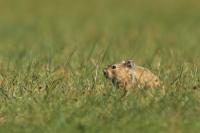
52 54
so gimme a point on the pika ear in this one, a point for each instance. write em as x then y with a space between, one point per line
129 63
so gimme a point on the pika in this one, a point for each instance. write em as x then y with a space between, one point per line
129 75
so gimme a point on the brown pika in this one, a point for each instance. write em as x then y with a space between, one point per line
128 75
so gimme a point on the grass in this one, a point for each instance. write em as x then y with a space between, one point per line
52 55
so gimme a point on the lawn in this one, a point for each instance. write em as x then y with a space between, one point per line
52 54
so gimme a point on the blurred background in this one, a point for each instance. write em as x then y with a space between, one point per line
132 28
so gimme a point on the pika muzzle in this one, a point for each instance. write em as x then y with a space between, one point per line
105 73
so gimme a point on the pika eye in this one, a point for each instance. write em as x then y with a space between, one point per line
113 67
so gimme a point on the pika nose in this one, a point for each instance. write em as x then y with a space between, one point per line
104 72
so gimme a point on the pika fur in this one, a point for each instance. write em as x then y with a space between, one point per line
128 75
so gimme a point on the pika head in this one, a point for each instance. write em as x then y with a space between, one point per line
119 73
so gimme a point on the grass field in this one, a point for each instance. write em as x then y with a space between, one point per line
52 54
